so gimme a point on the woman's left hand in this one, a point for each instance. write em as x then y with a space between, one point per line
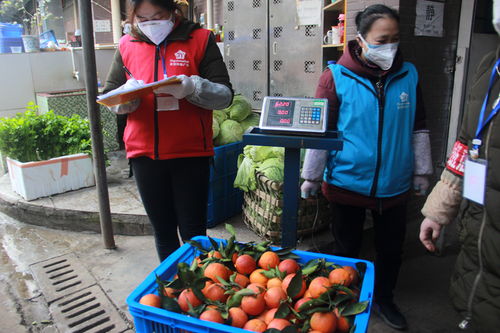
179 91
421 184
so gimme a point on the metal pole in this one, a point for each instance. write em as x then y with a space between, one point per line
95 122
210 14
116 19
75 14
291 192
191 11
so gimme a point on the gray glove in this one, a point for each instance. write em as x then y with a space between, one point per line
422 153
314 164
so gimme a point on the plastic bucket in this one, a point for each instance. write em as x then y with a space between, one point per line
31 43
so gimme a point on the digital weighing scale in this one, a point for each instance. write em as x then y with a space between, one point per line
295 124
306 116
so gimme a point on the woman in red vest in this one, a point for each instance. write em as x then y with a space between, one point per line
168 134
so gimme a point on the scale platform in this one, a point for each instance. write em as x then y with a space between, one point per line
330 140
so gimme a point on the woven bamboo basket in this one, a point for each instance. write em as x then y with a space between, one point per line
262 210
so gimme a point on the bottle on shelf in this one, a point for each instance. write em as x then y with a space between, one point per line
217 33
341 27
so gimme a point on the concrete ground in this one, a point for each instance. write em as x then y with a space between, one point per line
421 291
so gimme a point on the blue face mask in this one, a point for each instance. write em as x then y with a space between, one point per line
381 55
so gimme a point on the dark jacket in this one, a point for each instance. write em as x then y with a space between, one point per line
475 284
326 89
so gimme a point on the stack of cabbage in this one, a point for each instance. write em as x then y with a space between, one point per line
229 124
266 160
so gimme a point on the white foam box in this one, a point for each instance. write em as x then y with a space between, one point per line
38 179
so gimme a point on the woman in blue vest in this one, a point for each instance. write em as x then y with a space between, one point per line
375 100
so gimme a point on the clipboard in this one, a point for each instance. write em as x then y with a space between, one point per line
120 97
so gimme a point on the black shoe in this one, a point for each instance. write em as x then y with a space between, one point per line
391 315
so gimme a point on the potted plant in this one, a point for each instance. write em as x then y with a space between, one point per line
47 153
31 14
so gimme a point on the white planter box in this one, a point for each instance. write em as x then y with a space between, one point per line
34 180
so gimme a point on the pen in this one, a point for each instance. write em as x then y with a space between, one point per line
128 72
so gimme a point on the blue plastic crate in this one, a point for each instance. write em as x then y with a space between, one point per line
7 42
8 30
148 319
46 37
224 201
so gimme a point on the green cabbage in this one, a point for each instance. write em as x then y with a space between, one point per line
273 169
230 131
245 178
261 153
219 115
251 120
240 108
215 128
267 160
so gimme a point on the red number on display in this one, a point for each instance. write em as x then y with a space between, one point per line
282 112
285 121
281 103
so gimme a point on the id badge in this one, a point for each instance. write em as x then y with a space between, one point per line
166 103
475 180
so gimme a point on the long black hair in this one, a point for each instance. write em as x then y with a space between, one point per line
366 18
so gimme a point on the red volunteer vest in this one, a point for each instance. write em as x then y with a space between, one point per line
186 132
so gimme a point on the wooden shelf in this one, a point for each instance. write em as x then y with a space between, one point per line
332 45
337 5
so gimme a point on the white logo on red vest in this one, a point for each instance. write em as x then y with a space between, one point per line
180 59
180 55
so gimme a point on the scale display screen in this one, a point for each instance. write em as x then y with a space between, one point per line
301 115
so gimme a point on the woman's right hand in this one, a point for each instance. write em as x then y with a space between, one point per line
429 233
309 188
126 108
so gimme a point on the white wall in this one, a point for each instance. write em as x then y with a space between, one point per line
23 75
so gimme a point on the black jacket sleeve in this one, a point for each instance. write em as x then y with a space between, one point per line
212 67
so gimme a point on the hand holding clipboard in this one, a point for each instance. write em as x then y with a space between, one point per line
122 96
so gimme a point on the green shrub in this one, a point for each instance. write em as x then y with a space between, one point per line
32 137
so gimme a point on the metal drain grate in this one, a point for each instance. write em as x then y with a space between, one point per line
61 276
87 311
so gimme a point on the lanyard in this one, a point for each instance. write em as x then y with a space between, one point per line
483 123
163 56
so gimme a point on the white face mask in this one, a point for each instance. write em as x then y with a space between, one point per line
381 55
156 30
496 15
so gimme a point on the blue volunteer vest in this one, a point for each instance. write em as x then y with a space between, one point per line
377 159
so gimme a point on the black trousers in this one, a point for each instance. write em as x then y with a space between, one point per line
175 195
389 234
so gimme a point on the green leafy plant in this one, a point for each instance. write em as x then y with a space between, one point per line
32 137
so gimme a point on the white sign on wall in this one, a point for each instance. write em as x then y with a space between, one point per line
309 12
429 21
102 26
